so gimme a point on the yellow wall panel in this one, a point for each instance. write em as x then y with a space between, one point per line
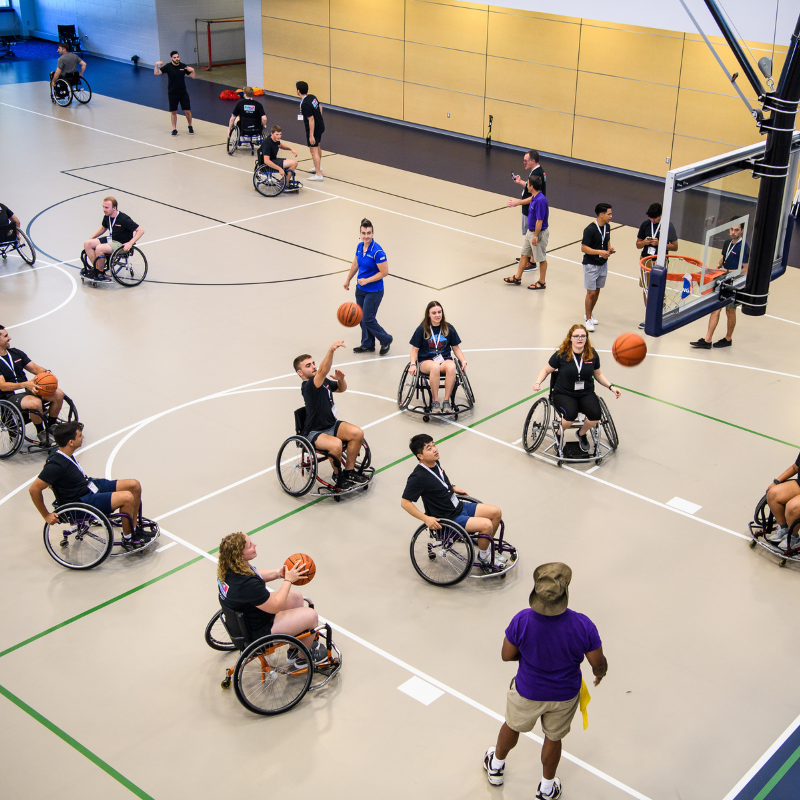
426 106
368 54
619 26
518 12
648 105
382 18
367 93
686 151
715 117
313 12
630 55
530 84
533 39
281 74
623 146
530 127
440 68
295 40
446 26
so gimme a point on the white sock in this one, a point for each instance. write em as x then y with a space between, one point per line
483 555
497 763
547 786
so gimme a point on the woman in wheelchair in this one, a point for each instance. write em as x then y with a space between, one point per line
242 587
578 367
431 345
783 499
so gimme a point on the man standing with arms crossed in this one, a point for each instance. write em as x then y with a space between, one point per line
534 248
311 114
176 72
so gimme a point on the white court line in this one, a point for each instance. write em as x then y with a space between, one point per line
165 547
790 321
26 271
52 311
178 540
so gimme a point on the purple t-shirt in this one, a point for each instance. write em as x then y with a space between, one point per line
551 651
538 209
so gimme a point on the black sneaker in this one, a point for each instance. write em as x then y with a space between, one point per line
584 440
133 542
723 343
531 267
385 347
361 349
295 658
701 344
191 129
641 326
145 534
354 477
174 133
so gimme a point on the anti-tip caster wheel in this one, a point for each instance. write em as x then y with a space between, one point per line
455 418
426 418
226 684
753 545
598 461
560 463
782 562
337 499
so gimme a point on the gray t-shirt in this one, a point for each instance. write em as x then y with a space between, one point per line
69 62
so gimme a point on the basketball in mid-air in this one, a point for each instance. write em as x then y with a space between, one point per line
302 559
46 383
629 349
349 314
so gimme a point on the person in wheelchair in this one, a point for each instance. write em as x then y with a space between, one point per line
431 346
440 499
783 498
248 114
268 155
322 428
24 394
70 484
118 231
67 66
578 367
242 587
10 225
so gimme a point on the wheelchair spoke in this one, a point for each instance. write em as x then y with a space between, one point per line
81 539
443 557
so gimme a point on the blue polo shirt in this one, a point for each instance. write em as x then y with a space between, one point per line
538 209
731 252
368 265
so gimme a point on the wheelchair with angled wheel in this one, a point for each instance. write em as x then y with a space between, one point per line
68 86
274 672
447 556
268 181
764 526
543 423
13 422
127 269
414 392
300 464
13 240
244 136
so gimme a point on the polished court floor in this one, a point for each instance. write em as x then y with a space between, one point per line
186 383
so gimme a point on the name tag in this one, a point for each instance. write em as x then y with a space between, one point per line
300 117
651 251
333 408
438 359
579 386
454 500
92 487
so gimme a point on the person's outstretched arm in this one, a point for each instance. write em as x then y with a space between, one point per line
157 70
327 362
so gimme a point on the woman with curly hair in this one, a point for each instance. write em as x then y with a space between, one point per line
578 367
242 588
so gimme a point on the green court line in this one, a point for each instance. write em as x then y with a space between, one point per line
775 779
64 736
707 416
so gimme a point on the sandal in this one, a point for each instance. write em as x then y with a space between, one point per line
513 280
538 285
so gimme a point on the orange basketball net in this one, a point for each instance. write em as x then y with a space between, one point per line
673 294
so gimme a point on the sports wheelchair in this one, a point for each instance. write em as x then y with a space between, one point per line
83 537
273 673
267 181
13 240
13 421
416 389
242 137
447 556
763 524
300 463
544 422
69 85
127 269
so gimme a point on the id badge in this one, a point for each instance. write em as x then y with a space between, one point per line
454 500
300 117
333 408
438 359
579 386
651 251
92 487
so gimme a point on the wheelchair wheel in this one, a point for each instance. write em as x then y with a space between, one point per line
82 537
536 424
464 381
128 269
233 140
266 679
12 429
443 557
296 466
609 429
363 459
62 93
267 181
217 636
408 385
25 248
81 91
762 513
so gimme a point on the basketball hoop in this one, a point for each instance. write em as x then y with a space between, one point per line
683 275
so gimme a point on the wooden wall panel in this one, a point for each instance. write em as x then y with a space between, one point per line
549 131
427 106
715 117
313 12
368 54
376 18
281 74
528 38
530 84
296 40
367 93
446 26
440 68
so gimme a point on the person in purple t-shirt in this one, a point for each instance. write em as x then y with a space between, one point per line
549 641
534 248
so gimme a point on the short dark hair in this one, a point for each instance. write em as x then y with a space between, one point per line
733 225
601 208
174 53
276 129
536 182
66 46
302 87
65 432
299 360
365 223
418 442
534 154
654 210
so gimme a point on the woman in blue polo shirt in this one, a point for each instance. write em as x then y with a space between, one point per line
372 266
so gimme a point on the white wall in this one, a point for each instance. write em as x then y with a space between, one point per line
254 43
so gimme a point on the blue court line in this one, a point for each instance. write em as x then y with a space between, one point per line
779 778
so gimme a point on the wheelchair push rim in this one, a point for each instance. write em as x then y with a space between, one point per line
609 429
24 248
61 93
296 466
267 181
81 91
444 557
233 140
128 269
217 636
536 425
12 429
81 539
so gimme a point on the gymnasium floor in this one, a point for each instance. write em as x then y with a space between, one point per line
186 383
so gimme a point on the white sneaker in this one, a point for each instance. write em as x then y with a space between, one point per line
589 324
315 178
595 320
553 794
495 776
778 535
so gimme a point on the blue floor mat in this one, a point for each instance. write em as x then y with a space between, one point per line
32 50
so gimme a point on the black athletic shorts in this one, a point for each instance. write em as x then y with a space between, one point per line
317 139
569 406
16 399
181 98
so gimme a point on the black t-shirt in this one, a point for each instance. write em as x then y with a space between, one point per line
310 108
650 230
525 193
249 112
568 374
598 239
17 374
320 414
270 148
244 593
176 77
68 482
8 228
123 229
436 344
436 496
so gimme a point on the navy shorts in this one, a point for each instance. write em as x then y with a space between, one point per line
101 499
467 513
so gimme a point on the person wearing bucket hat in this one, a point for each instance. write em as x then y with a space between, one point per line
550 641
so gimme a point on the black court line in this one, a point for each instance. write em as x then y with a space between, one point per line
140 158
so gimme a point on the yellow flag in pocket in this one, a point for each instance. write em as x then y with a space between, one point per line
584 703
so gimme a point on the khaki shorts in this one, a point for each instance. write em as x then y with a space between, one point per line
521 714
538 252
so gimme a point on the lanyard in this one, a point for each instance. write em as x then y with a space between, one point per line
654 233
11 366
111 224
579 366
438 478
436 339
731 245
603 233
70 458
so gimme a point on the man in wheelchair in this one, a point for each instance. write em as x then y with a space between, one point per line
322 428
67 66
70 484
440 499
117 230
24 394
10 226
248 114
268 155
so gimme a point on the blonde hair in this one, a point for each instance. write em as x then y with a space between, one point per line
565 350
426 320
230 556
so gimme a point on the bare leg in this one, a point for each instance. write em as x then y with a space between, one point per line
542 271
173 115
124 501
56 401
587 426
591 301
432 370
506 742
316 157
779 497
713 319
295 617
482 525
551 755
188 116
731 312
449 378
523 262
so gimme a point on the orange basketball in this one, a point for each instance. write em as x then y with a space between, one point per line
629 349
302 558
46 383
349 314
